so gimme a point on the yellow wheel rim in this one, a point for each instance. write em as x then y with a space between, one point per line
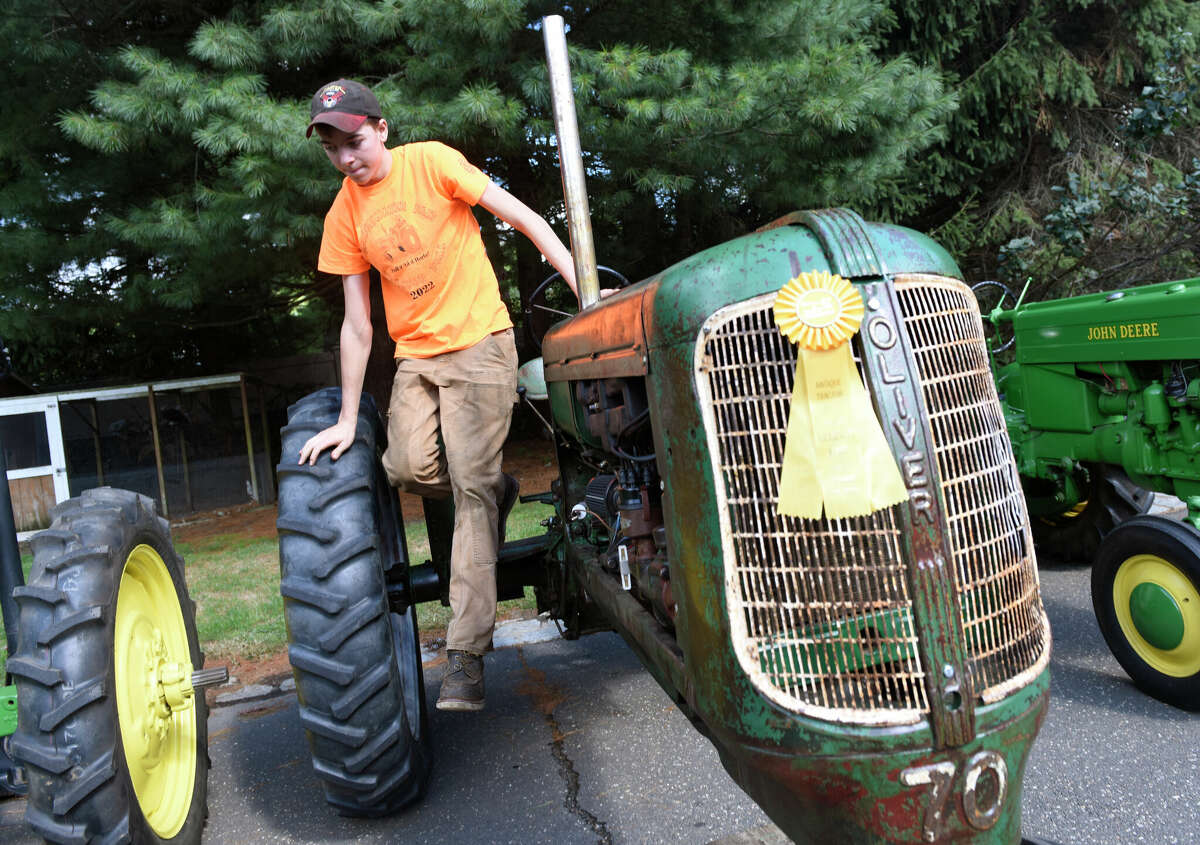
1069 514
153 668
1074 511
1183 660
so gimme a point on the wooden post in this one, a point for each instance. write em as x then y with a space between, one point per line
249 441
96 443
187 476
158 463
266 434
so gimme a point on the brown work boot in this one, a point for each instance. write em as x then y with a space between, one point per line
462 685
507 500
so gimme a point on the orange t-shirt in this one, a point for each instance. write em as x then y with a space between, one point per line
416 228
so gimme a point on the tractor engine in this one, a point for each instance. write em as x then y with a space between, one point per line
627 501
1107 378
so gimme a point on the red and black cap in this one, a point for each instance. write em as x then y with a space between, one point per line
343 104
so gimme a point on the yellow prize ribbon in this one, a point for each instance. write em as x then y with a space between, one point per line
835 455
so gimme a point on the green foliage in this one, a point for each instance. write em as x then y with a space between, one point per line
206 207
126 252
1127 214
1069 113
169 220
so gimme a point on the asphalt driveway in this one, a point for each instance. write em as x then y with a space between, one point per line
579 745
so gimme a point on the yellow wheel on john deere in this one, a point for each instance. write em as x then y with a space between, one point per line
1146 594
109 727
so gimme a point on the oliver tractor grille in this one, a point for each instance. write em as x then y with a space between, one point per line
820 609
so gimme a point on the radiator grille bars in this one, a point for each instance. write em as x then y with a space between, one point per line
1001 608
820 610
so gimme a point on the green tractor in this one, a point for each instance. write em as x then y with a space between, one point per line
103 724
1102 402
870 678
12 776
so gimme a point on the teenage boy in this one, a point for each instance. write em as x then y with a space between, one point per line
406 211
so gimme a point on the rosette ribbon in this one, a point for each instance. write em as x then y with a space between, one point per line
835 455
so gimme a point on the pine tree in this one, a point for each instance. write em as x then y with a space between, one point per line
64 279
80 300
700 121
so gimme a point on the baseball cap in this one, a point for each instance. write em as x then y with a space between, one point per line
343 104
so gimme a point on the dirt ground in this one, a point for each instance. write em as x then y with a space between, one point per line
531 462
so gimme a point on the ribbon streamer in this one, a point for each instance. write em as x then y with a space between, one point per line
835 456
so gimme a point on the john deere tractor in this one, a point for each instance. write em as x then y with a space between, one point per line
1102 402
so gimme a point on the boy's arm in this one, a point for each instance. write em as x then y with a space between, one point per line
354 352
527 221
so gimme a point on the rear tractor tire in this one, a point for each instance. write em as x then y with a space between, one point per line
355 659
1146 594
1075 535
113 736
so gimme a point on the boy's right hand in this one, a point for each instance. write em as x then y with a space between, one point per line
339 435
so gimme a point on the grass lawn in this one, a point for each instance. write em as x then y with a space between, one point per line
234 581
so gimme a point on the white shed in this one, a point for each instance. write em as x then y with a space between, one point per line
178 441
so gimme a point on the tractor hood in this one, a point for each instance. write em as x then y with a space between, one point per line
1155 322
612 338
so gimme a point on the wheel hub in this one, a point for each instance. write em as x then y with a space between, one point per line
166 689
1158 610
175 686
1156 616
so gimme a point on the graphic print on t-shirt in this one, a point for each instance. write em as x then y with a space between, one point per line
403 245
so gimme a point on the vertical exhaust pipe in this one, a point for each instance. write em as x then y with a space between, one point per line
566 128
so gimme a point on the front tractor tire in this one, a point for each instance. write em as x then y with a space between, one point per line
113 736
1146 594
355 658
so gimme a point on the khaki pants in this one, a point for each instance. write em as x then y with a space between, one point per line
468 395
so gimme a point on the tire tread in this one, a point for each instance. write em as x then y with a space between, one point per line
68 623
83 695
68 728
341 636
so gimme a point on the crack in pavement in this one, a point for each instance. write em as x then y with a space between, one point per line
546 697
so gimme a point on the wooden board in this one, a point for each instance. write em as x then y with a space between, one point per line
32 499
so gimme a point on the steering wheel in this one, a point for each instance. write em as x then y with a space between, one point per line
994 297
541 310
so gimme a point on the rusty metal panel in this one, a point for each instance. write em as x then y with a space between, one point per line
605 341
